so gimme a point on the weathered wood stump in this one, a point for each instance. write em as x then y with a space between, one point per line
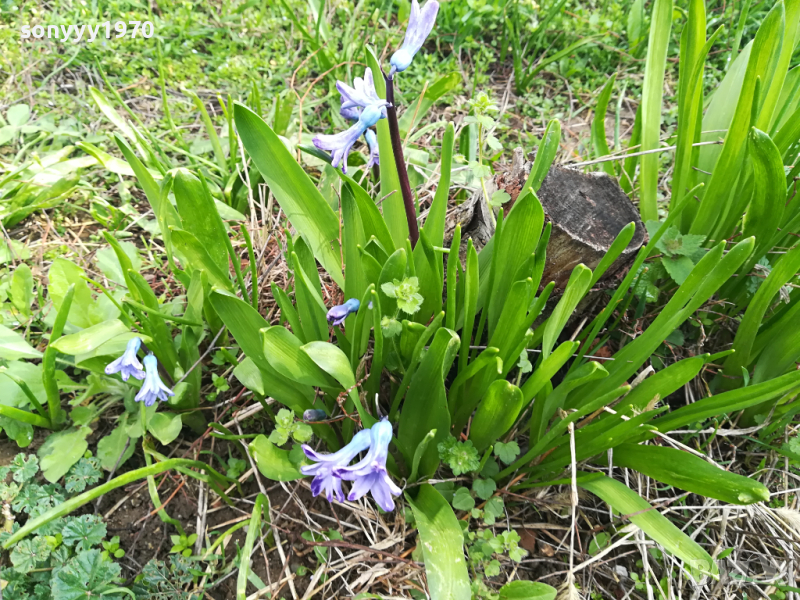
587 212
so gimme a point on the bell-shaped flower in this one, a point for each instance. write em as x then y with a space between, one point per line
420 23
128 365
339 313
339 144
153 388
372 142
370 475
362 94
325 464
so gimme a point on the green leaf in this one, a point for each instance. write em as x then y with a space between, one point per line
28 553
496 413
19 114
463 500
84 532
297 195
83 311
419 452
769 189
442 545
112 450
461 457
655 68
197 255
506 452
484 488
21 291
87 575
24 468
165 426
286 355
425 406
652 522
527 590
62 450
200 217
273 462
576 289
678 267
599 143
13 346
91 338
691 473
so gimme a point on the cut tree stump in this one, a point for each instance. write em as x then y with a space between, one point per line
587 212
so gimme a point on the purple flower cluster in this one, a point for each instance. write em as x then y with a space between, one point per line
368 475
128 365
361 104
339 313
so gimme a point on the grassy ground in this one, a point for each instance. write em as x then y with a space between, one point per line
253 48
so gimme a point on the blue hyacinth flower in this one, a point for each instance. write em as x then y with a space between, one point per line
128 364
325 464
420 24
362 94
372 142
339 313
153 388
339 144
370 474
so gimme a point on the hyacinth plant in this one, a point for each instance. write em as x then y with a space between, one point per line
427 364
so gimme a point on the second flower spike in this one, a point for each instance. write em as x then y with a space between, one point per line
153 388
420 24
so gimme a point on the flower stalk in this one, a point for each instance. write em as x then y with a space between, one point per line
402 173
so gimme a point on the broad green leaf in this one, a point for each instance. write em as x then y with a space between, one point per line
527 590
13 346
19 114
83 311
21 291
782 273
419 452
653 523
442 545
664 382
769 192
496 413
197 255
273 462
245 323
61 450
520 233
425 407
548 148
297 195
355 281
655 68
165 426
310 307
112 115
371 218
470 304
90 338
112 450
715 203
549 367
599 143
199 216
689 472
727 402
286 355
577 286
434 223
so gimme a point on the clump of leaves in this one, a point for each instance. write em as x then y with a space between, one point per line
164 580
461 457
182 544
64 559
286 427
484 546
680 253
406 293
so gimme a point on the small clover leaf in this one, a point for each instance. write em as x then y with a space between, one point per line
506 452
462 500
484 488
